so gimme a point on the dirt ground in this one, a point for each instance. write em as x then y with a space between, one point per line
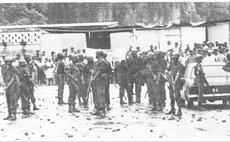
126 123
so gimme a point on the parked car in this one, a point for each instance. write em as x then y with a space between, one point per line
218 79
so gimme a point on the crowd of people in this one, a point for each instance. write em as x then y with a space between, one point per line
153 68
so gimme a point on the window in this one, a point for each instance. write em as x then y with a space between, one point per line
212 71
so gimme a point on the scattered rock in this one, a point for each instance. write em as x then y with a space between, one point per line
109 118
193 115
201 129
199 119
51 122
163 118
223 121
151 130
42 135
171 118
160 136
122 115
90 128
118 129
88 118
2 129
26 133
48 119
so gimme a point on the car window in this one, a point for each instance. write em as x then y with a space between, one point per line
212 71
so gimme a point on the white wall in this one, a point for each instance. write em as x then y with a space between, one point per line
57 42
219 33
172 35
191 35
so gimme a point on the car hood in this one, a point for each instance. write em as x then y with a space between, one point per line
217 81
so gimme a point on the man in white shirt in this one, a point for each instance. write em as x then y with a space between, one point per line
220 57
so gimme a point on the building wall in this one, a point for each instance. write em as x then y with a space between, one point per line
57 42
191 35
219 33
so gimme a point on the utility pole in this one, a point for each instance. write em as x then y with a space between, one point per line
229 25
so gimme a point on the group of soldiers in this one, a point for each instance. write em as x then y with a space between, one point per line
137 69
18 85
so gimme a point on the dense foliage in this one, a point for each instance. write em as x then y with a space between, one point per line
125 13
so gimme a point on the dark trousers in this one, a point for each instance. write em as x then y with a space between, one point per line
11 99
25 96
60 83
175 96
72 93
124 85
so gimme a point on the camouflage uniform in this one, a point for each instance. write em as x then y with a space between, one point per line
153 70
60 78
73 82
80 66
87 73
30 68
99 85
200 80
123 81
176 69
25 93
9 74
107 78
135 75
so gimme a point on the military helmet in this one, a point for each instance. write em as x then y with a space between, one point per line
199 57
151 55
74 57
9 59
175 56
60 55
22 62
80 57
100 53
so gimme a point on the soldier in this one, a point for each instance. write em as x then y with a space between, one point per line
176 69
10 77
30 68
73 74
123 81
163 63
99 85
107 76
200 80
25 93
153 73
60 69
80 66
87 73
134 75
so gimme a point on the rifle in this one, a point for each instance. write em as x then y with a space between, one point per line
10 83
75 79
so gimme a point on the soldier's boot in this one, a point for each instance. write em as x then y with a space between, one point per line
122 102
102 112
35 107
178 113
200 106
75 109
95 111
172 111
158 107
8 117
13 118
138 99
61 102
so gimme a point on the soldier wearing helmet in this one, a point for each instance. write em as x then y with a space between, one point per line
60 74
80 64
31 67
107 78
200 80
73 80
10 77
25 92
134 75
176 73
163 63
99 85
153 72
